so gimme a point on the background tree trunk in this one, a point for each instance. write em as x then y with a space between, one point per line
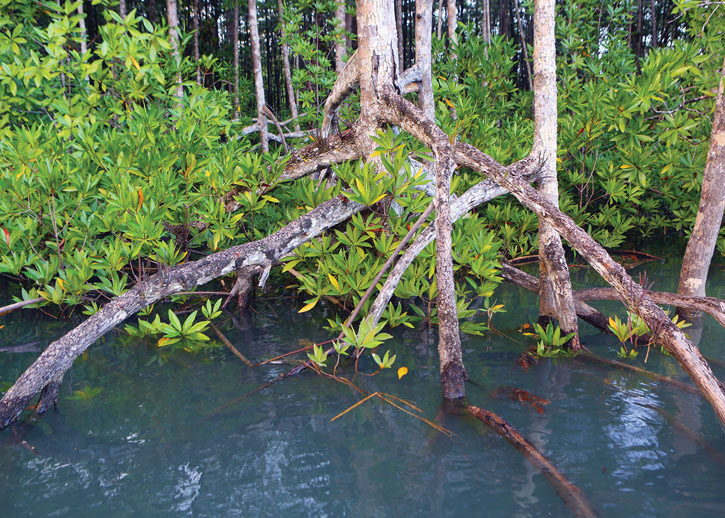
122 8
399 30
486 21
258 78
82 27
423 36
452 25
703 239
173 21
555 294
291 99
235 51
522 39
341 42
439 30
196 41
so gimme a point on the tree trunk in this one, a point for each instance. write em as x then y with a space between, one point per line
291 100
452 26
439 29
522 39
82 27
703 239
173 21
122 8
258 79
423 36
556 300
341 41
235 53
486 21
196 41
653 19
399 29
504 8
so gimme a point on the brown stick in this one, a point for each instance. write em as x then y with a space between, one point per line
231 347
18 305
570 493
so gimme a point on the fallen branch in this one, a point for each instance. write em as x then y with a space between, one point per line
18 305
229 345
344 85
397 110
570 493
710 305
46 373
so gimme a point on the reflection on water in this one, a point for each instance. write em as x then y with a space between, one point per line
159 441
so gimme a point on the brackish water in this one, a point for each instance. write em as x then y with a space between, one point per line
165 441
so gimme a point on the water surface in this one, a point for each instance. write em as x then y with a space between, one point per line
170 440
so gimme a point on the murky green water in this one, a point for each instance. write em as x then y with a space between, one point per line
170 441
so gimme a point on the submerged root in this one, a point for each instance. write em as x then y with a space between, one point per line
570 493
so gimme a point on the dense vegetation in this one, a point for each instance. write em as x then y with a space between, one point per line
106 174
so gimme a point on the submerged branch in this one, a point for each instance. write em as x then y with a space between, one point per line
45 375
571 494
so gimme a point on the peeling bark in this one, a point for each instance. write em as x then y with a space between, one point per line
703 239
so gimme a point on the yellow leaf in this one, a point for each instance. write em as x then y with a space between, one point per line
1 327
625 166
420 172
140 198
402 372
334 281
379 198
309 306
135 63
375 153
449 103
163 341
612 322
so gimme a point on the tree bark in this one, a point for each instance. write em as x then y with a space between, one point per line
196 41
703 239
486 21
340 42
452 26
555 297
258 78
235 53
46 373
173 21
291 99
439 28
122 8
400 112
399 30
522 39
653 19
423 36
